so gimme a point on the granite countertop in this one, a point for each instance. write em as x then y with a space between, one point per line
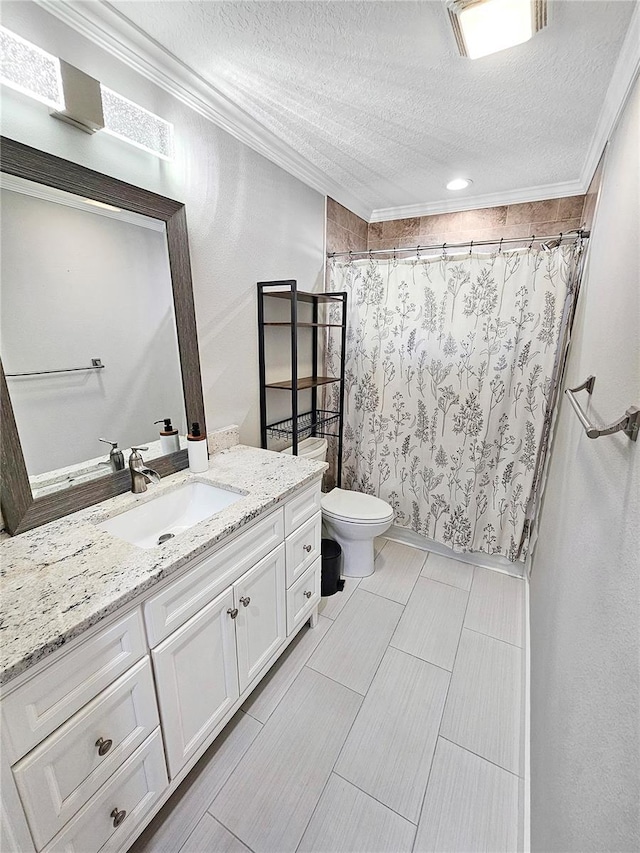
60 579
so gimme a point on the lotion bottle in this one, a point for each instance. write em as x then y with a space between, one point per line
197 448
169 438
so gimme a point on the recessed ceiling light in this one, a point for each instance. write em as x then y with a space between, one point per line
459 184
482 27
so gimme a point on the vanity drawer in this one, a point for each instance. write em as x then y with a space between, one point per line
303 547
133 789
178 602
58 777
45 702
299 602
300 508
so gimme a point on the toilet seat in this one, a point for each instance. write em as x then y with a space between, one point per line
355 507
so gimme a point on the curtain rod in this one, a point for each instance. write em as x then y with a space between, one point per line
578 234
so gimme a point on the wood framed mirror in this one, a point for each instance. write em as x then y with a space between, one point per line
21 510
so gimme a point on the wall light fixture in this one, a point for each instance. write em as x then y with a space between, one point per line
78 99
30 70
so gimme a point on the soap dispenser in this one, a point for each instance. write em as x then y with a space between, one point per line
197 448
169 438
116 457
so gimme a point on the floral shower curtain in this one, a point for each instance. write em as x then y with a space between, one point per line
449 367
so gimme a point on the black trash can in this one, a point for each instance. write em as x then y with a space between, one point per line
331 563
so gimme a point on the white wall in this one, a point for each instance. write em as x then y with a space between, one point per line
77 285
248 219
585 585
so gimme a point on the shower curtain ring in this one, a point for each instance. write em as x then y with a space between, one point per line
444 251
500 246
394 253
533 237
470 248
418 253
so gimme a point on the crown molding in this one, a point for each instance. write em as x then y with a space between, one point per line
431 208
108 29
624 76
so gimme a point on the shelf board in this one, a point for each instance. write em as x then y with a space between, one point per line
303 296
309 325
303 382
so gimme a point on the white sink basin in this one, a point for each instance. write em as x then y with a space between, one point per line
169 514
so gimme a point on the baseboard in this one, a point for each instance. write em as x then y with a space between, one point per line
475 558
524 813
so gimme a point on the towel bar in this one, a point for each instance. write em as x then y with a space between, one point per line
96 364
629 423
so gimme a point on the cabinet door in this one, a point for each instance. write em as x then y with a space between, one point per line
196 679
261 622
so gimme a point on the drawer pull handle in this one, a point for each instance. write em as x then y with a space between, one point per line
308 548
118 816
308 593
103 745
233 612
245 600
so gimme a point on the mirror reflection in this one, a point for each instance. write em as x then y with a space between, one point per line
89 340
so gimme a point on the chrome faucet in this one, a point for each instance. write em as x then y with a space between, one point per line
140 475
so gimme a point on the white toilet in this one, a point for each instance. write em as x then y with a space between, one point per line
351 518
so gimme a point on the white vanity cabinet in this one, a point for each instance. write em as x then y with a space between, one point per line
260 615
84 725
85 735
196 679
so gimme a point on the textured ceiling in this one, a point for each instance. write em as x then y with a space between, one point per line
376 96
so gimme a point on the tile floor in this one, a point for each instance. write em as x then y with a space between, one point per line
394 726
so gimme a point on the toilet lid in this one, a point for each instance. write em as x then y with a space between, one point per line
308 446
355 506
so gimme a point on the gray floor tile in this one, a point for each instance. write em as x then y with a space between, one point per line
389 749
431 624
171 826
496 606
378 544
331 606
270 797
471 805
210 836
348 820
397 568
264 699
483 709
447 570
353 648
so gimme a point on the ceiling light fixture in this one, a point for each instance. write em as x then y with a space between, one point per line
482 27
459 184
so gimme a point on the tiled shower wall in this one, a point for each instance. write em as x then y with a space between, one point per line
513 220
346 231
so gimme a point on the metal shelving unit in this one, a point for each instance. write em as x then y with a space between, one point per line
315 422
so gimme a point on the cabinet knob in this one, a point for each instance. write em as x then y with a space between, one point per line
308 548
103 745
118 816
308 593
245 600
232 611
